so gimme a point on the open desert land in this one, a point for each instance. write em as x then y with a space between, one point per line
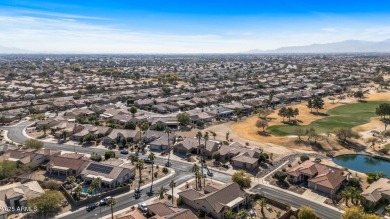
359 117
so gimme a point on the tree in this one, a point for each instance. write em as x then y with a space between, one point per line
195 170
299 132
111 202
242 179
353 213
306 213
213 134
184 118
47 205
359 94
33 144
280 176
140 166
152 157
89 137
206 138
227 136
304 158
109 154
316 103
264 113
290 113
262 123
282 112
161 192
166 90
143 126
262 202
77 192
345 133
242 214
44 129
310 104
133 110
172 185
229 214
64 134
133 158
168 131
296 113
70 179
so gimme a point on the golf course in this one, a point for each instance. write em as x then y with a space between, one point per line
346 116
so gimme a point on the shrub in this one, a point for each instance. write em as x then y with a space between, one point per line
109 154
304 158
289 165
165 170
155 174
169 197
280 176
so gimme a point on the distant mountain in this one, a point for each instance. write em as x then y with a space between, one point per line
348 46
11 50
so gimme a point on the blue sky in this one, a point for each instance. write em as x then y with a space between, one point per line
200 26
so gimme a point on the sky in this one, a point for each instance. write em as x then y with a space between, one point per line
187 26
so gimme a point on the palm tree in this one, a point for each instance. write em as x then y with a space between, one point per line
44 129
346 195
168 131
77 192
199 137
206 138
111 202
229 214
195 170
143 126
132 158
172 184
152 157
262 202
227 136
64 134
199 179
214 134
242 214
140 166
161 191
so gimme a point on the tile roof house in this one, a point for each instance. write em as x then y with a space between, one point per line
190 145
23 157
217 202
66 165
377 191
17 194
320 177
118 134
164 210
111 175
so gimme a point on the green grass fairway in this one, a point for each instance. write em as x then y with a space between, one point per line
347 116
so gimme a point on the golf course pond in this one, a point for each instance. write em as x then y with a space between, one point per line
363 163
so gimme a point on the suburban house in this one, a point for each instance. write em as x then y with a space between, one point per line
111 175
17 194
23 157
97 131
66 165
160 210
241 157
320 177
377 191
162 142
151 135
191 145
216 201
48 153
119 134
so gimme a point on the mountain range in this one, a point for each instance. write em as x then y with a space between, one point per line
12 50
347 46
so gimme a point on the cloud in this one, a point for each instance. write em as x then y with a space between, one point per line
329 29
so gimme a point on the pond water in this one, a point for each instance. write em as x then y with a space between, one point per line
363 163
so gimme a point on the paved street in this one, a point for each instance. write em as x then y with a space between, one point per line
182 174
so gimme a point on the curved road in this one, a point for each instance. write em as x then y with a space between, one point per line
182 174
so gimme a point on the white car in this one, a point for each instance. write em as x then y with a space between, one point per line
142 207
105 200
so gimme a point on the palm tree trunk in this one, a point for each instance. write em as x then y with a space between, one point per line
151 185
172 195
112 213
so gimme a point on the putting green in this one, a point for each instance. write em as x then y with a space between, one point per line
347 116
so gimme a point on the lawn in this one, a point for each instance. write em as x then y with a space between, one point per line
387 146
348 116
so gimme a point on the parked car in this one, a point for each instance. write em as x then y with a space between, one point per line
91 207
142 207
124 151
148 161
209 173
105 200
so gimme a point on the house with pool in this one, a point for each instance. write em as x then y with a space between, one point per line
111 173
319 177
